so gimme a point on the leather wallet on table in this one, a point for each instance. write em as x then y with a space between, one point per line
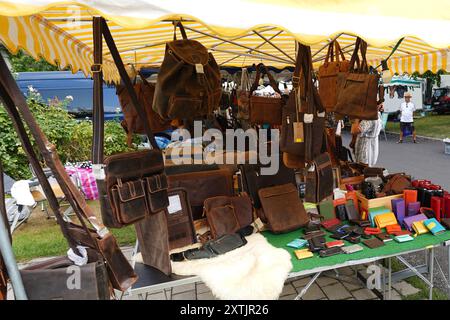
373 212
316 244
352 249
373 243
372 231
419 227
309 236
330 252
390 229
385 219
352 213
408 221
434 226
303 254
384 237
403 238
330 224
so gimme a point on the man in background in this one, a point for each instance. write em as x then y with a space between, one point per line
407 109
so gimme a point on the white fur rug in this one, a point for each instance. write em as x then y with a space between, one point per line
256 271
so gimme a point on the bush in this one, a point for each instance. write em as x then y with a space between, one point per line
72 138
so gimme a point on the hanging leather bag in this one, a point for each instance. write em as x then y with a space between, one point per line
334 63
319 179
358 89
132 123
243 96
189 82
226 215
265 109
302 131
282 209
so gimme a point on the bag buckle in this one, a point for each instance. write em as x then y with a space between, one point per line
96 68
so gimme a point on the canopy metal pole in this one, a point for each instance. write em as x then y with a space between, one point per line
343 51
244 36
6 251
237 44
98 109
271 43
328 43
279 60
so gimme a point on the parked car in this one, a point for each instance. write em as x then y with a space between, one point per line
61 84
440 102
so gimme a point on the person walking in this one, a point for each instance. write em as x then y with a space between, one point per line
366 146
407 109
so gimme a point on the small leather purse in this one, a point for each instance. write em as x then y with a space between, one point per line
385 219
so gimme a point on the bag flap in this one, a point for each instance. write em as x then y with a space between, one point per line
130 190
157 183
356 77
277 191
190 51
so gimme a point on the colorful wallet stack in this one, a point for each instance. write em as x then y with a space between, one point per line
385 219
409 196
413 208
398 207
419 228
434 226
408 221
373 212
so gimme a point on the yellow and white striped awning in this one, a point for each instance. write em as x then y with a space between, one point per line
234 31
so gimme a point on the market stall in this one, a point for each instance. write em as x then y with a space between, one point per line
165 201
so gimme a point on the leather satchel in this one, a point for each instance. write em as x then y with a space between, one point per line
358 89
54 280
132 123
303 119
319 179
282 208
265 109
396 184
334 63
189 82
227 215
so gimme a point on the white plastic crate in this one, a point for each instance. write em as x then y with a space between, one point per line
447 146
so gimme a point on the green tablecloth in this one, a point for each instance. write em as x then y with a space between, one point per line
391 248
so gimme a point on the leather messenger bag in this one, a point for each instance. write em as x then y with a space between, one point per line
282 208
189 82
265 109
227 215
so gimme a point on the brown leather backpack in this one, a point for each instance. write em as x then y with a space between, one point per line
304 111
334 63
189 82
265 109
133 123
358 89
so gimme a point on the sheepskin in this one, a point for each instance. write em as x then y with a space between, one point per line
256 271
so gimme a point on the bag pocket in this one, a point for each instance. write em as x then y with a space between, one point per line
157 196
129 201
181 107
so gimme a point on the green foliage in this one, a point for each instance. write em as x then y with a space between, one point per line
434 77
22 62
72 138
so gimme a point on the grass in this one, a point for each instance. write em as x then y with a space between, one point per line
42 237
434 126
416 282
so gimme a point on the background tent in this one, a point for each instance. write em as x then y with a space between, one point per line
239 33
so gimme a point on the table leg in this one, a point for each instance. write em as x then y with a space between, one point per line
390 279
305 289
431 265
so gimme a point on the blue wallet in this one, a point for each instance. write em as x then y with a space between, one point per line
297 243
403 238
434 226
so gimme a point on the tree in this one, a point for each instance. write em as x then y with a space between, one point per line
22 62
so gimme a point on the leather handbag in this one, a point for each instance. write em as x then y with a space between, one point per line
283 210
357 88
319 179
334 63
132 123
227 215
179 219
54 280
189 82
303 119
396 184
265 109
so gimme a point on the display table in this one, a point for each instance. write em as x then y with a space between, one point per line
152 280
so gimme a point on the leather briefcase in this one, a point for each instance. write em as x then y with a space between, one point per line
265 109
303 119
132 123
54 280
179 219
319 179
135 186
358 89
283 210
227 215
189 82
334 63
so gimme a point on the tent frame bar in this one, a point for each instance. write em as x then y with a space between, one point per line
271 43
253 56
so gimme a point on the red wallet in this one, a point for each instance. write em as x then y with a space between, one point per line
370 231
393 228
337 243
401 233
327 224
